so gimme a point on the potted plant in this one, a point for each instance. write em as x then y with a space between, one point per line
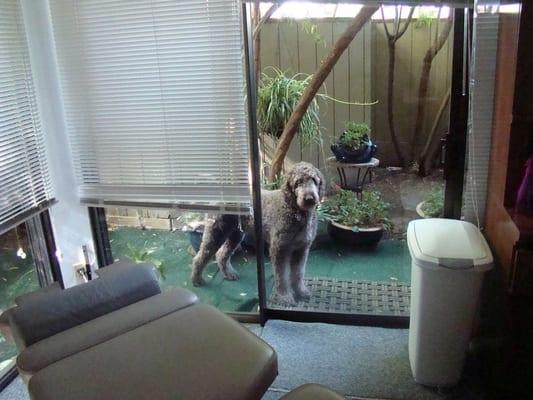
277 97
356 221
433 205
354 145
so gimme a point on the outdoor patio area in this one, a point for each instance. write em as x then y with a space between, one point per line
388 263
342 278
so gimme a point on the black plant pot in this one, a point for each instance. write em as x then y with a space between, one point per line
363 237
247 244
195 239
346 154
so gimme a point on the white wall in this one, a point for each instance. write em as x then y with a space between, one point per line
70 219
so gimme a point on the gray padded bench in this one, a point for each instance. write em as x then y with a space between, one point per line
119 337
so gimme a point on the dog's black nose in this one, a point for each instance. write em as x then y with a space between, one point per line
309 201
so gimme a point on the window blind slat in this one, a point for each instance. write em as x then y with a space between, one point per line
155 102
24 178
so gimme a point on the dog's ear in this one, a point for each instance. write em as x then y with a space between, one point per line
290 180
322 184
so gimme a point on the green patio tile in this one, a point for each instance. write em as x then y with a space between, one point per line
389 262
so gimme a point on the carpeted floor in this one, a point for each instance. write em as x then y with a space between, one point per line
359 362
16 390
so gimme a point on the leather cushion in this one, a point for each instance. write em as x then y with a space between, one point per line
59 310
312 391
31 296
98 330
197 353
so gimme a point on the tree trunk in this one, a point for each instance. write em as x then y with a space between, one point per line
390 103
422 169
257 44
423 86
291 127
392 38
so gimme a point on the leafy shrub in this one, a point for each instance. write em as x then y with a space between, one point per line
433 205
277 98
274 185
144 254
355 135
346 209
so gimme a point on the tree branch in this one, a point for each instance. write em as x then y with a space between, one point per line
389 36
406 24
265 18
291 128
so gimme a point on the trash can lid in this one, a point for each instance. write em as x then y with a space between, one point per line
437 243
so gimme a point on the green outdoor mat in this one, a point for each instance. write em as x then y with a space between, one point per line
390 262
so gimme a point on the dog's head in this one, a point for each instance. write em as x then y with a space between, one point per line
306 184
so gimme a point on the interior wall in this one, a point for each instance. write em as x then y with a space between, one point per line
501 232
70 219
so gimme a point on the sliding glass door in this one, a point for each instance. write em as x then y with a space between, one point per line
387 130
338 252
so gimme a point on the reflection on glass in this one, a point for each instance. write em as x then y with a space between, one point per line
17 276
170 242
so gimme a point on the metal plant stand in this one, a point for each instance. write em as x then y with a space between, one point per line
363 173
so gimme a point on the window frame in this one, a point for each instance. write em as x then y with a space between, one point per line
47 273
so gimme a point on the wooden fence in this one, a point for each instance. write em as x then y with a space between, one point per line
360 75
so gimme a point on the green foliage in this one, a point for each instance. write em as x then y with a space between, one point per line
277 98
312 30
434 203
144 254
274 185
355 135
188 217
346 209
17 276
424 21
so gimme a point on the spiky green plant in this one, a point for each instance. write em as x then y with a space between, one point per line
277 97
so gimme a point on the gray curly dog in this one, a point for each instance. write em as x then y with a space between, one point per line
289 228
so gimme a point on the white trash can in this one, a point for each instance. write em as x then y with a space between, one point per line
449 258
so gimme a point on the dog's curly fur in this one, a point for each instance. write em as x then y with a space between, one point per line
289 227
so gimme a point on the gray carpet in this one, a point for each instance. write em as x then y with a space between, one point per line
363 362
16 390
355 297
360 362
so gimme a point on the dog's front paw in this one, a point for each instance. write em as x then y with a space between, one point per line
197 280
283 299
230 274
302 293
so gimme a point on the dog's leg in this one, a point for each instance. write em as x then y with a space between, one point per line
224 254
215 234
282 293
298 262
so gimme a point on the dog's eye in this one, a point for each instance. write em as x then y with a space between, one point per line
316 181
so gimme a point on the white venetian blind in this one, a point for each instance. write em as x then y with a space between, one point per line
25 187
154 96
482 81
